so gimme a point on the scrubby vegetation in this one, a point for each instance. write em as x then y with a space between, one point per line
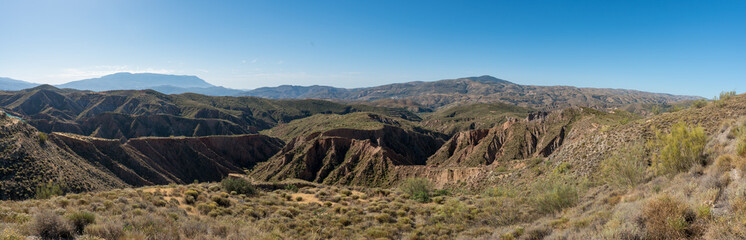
311 212
48 190
625 168
42 138
237 186
740 136
600 174
678 150
417 188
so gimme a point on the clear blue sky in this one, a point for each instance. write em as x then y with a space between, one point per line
681 47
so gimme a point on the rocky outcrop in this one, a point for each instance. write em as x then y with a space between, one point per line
538 135
349 156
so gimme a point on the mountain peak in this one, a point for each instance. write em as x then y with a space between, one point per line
137 81
43 87
488 78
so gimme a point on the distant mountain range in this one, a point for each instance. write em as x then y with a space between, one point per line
169 84
164 83
483 89
9 84
416 96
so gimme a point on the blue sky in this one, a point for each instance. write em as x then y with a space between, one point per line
681 47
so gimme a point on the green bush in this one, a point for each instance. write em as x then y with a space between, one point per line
205 208
553 196
725 95
48 190
240 185
562 168
678 150
624 168
81 219
417 188
699 103
221 201
291 187
190 196
42 137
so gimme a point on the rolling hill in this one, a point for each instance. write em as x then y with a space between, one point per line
138 113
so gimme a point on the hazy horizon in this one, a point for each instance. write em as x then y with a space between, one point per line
686 48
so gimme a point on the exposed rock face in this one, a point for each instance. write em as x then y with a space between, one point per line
443 176
539 135
348 156
145 161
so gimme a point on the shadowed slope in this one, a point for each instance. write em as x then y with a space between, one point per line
130 114
348 156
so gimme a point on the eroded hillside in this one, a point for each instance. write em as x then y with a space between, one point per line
349 156
31 159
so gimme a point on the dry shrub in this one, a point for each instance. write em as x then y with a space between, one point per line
49 225
498 211
625 168
536 233
724 163
192 229
553 196
106 230
730 227
666 217
739 134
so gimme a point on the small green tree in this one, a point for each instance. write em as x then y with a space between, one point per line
418 189
42 138
45 191
725 95
239 185
677 150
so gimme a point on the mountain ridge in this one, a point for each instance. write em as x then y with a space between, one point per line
419 96
9 84
482 89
